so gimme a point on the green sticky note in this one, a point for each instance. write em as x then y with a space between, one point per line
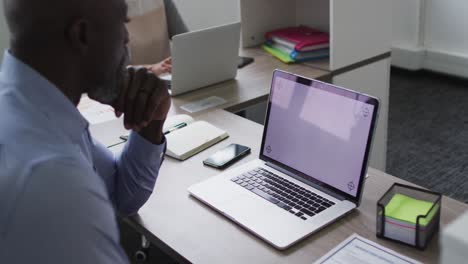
405 208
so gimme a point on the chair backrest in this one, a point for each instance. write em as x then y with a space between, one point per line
149 39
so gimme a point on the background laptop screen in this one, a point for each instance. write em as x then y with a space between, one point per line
319 130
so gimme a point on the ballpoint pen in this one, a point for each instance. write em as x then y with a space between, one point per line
178 126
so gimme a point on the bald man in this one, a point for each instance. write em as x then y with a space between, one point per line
60 190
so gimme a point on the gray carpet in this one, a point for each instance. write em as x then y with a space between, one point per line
428 131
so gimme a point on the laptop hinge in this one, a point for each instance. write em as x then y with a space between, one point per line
314 185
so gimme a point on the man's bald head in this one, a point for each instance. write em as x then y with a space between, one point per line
76 44
47 19
34 19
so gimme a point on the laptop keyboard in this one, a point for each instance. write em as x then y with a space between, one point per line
283 193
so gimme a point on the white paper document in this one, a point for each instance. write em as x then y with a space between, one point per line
203 104
358 250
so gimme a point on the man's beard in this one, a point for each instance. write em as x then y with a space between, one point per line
109 92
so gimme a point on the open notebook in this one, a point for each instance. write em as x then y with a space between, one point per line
186 137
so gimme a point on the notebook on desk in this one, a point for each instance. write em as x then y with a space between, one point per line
312 165
187 137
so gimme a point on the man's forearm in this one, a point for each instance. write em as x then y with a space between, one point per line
138 167
153 132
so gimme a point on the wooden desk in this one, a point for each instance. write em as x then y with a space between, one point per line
191 232
251 86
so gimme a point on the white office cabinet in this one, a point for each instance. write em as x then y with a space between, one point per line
261 16
454 241
374 80
360 43
359 29
319 17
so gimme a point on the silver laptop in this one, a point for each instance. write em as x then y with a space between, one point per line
204 57
312 164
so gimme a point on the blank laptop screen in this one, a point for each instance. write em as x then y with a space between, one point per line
319 130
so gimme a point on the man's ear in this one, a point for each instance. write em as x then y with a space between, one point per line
78 35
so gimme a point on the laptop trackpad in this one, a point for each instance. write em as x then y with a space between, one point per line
263 218
256 209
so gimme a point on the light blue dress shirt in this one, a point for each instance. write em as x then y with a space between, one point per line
60 190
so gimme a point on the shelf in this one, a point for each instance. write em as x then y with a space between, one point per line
358 30
321 64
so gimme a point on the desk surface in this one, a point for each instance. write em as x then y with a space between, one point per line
190 231
251 86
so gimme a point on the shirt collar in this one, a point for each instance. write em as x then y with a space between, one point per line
43 95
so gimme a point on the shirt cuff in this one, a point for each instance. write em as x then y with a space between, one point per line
141 149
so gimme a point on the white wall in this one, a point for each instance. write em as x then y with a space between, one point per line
431 34
4 35
407 34
446 36
201 14
406 23
447 25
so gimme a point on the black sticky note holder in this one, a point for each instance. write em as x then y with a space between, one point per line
422 234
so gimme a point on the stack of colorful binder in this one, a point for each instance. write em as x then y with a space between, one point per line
297 44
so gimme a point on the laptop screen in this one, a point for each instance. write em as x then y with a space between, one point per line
319 130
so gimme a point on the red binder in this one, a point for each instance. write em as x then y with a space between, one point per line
300 38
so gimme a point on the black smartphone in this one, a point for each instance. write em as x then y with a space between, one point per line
227 156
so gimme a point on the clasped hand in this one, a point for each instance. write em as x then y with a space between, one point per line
144 98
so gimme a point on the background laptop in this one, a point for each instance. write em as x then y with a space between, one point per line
312 164
204 57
